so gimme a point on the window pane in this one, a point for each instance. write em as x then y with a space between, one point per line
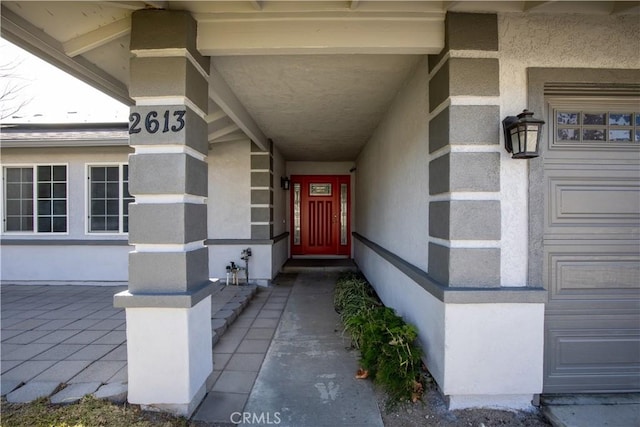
125 224
48 198
13 207
44 224
112 190
637 119
27 207
569 134
98 174
564 118
13 191
594 118
60 190
60 173
620 135
44 190
113 175
296 214
98 207
594 135
112 223
113 207
44 207
14 174
343 214
638 135
44 173
98 191
125 172
27 223
60 224
620 119
27 190
27 175
59 207
98 223
13 223
18 200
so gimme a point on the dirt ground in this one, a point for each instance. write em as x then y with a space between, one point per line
431 411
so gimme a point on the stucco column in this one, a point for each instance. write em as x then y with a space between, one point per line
168 304
464 173
493 353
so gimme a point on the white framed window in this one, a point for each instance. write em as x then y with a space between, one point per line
108 198
35 199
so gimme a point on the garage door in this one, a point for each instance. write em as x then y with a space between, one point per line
591 245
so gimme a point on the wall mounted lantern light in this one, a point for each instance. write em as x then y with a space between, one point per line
522 135
284 182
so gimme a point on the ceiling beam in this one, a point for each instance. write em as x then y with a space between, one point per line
221 94
136 5
351 32
447 5
130 5
223 131
215 116
530 5
620 7
96 38
32 39
232 137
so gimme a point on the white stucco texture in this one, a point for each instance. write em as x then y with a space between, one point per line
316 107
493 350
416 306
392 192
542 40
54 264
169 356
229 201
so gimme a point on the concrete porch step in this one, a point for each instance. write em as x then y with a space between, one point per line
302 265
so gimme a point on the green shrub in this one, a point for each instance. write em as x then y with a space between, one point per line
387 344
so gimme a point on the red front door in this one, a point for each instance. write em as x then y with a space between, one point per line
320 215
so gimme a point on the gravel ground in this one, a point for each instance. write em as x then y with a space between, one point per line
432 411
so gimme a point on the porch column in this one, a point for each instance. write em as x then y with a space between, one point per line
168 304
493 354
464 173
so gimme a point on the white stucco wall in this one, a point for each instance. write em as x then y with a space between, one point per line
541 40
412 302
393 175
229 201
279 195
65 263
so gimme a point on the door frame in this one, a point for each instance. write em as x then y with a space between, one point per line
342 250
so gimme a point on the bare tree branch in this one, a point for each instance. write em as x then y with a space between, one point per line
11 101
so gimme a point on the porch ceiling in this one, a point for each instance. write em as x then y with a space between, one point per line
314 76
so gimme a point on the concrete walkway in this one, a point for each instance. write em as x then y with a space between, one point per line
300 374
73 336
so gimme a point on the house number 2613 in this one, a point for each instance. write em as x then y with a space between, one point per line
170 121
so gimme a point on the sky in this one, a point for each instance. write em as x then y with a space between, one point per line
51 95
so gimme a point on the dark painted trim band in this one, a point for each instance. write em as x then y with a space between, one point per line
276 239
456 295
62 242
